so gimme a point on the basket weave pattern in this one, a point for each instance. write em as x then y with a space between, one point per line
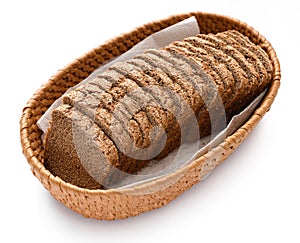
118 204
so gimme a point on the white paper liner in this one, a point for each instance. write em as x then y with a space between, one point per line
153 171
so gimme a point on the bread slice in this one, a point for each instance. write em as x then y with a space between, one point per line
77 150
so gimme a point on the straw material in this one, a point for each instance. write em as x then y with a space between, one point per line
123 203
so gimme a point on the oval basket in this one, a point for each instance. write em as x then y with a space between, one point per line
122 203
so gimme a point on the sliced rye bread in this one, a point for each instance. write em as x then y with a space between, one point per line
149 91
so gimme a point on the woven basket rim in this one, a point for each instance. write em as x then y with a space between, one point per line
33 151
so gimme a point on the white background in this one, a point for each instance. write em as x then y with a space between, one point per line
252 197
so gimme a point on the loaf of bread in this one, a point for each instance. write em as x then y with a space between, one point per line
141 109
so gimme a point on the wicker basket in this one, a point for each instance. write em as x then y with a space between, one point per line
122 203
